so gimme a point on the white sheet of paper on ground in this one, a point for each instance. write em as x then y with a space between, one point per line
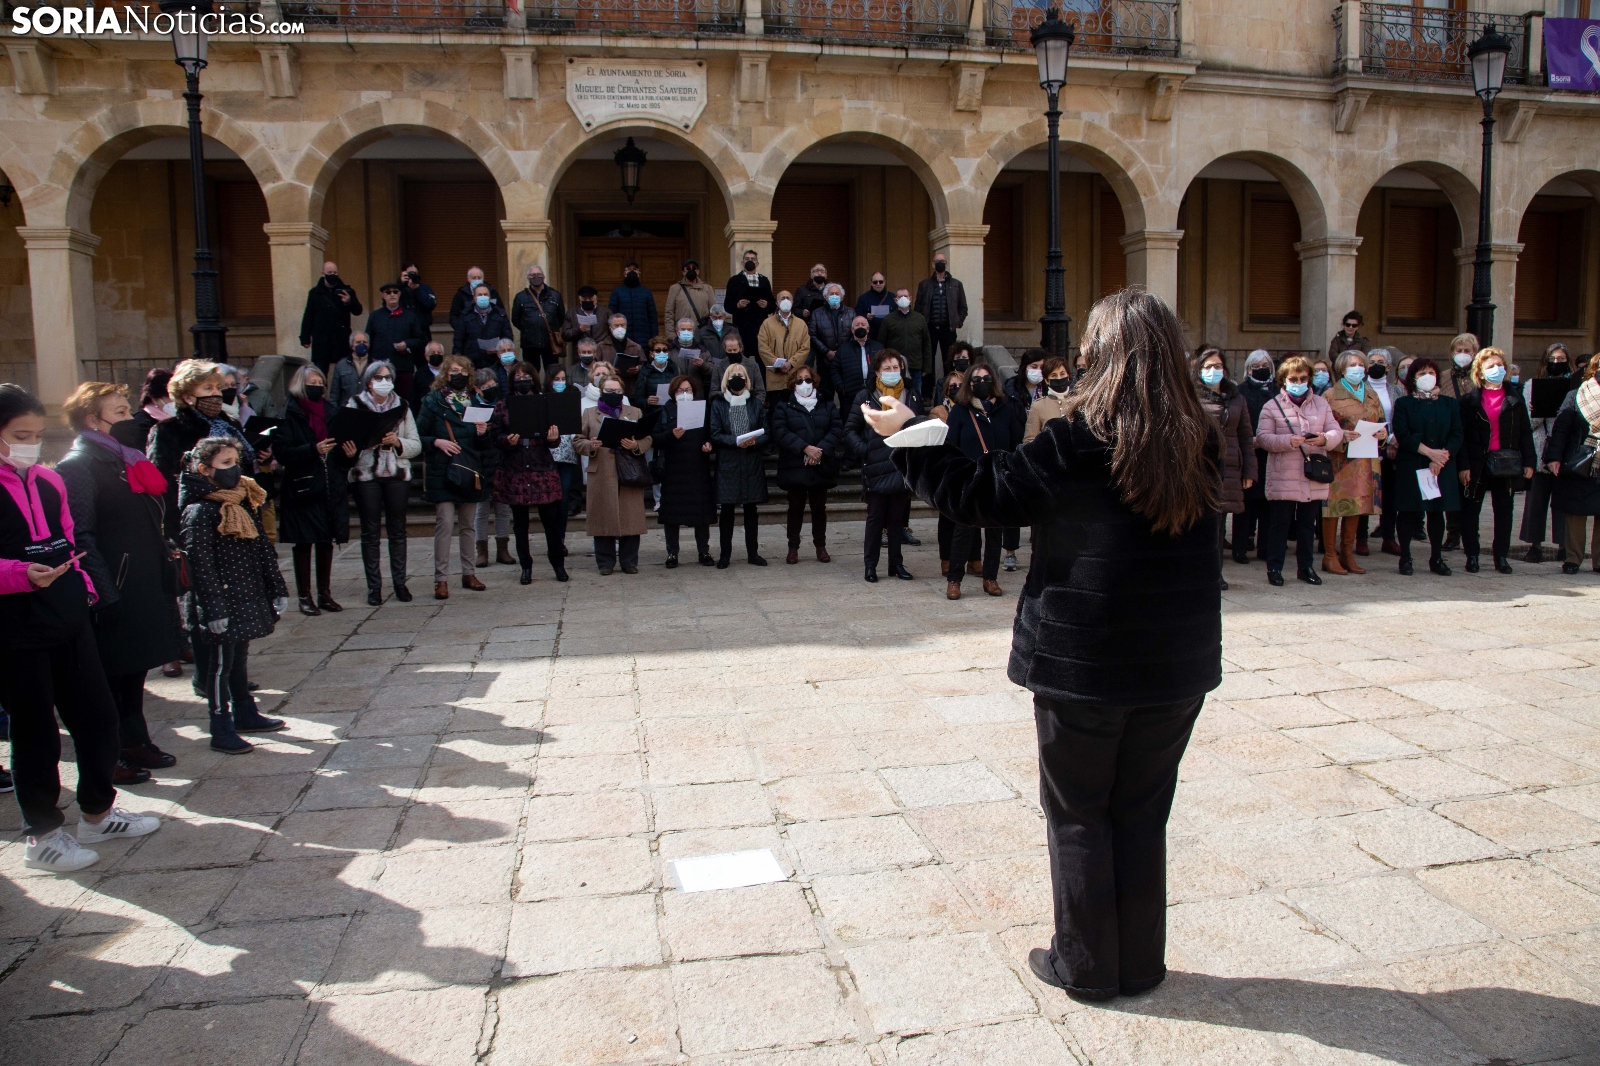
736 869
477 414
1428 482
1365 443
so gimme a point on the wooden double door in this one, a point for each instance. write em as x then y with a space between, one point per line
658 244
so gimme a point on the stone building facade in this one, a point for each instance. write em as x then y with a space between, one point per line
1265 167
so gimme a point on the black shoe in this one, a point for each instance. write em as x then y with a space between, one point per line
630 569
672 562
1405 565
1472 564
561 572
1569 568
707 560
1439 566
527 576
1452 542
756 560
722 562
374 598
1561 555
909 539
1535 554
1241 558
259 724
252 686
1308 575
1039 963
308 607
148 756
872 574
1275 578
1502 565
402 594
901 572
1222 584
124 774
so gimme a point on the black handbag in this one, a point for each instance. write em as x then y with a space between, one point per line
465 472
1504 463
632 471
1318 468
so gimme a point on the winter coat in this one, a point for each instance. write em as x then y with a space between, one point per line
1019 392
410 448
689 299
955 295
638 304
1436 423
310 485
1256 395
229 577
1282 419
170 441
830 330
709 345
1516 432
538 319
439 420
344 381
1339 344
385 328
867 301
878 472
325 323
688 491
526 474
747 320
644 388
613 510
1049 406
473 327
809 299
758 382
1455 381
777 340
907 332
1574 494
741 472
120 533
36 527
1355 481
420 302
462 304
1227 406
793 429
849 374
572 333
976 434
1106 597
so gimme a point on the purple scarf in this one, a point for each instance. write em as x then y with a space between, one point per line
610 410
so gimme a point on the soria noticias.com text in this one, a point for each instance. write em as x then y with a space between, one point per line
107 21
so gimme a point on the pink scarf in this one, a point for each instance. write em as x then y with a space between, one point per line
142 473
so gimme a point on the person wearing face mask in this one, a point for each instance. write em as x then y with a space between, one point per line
808 434
906 331
1222 400
314 473
1260 385
691 296
115 497
49 662
481 326
811 295
1497 456
741 467
657 370
1027 384
569 466
619 349
1539 502
458 463
427 370
853 367
692 350
588 307
538 315
1353 494
884 489
1567 454
344 380
1295 424
236 591
493 516
155 406
526 476
785 345
688 493
325 324
396 335
634 301
1429 434
417 296
505 355
962 356
982 422
1456 382
947 528
379 478
583 365
708 340
874 304
232 398
1348 338
465 298
750 298
1321 375
1383 383
942 301
196 392
830 328
733 354
1053 404
615 516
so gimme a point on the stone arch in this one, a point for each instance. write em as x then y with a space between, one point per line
1310 202
1459 189
1521 194
1124 170
718 155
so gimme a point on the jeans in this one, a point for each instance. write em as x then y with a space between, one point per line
553 516
36 685
451 518
127 692
1106 780
382 500
702 539
1281 514
891 510
966 543
752 528
1499 491
818 499
1409 524
610 552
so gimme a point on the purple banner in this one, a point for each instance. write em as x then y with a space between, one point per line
1572 54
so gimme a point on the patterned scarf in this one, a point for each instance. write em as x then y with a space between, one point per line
1589 403
236 521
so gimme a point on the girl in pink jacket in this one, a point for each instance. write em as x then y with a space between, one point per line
1295 424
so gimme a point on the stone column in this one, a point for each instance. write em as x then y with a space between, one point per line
527 244
296 249
962 244
1152 256
746 233
1327 286
61 280
1502 290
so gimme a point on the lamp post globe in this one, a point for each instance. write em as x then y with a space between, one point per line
1487 57
1052 41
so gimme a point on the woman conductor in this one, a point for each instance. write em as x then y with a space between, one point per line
1122 494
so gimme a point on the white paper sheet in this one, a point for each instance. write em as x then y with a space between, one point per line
1429 484
880 310
689 354
661 393
1365 444
477 414
780 363
587 320
754 434
691 414
737 869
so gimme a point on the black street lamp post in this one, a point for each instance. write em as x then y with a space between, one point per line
189 46
1052 39
1488 57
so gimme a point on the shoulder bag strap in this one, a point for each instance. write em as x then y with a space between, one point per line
1279 401
977 426
692 305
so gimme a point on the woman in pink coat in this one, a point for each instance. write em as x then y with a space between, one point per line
1294 424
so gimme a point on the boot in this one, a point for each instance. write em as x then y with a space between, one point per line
223 736
325 599
944 567
397 568
373 571
1330 542
302 581
502 551
752 545
483 553
822 554
952 590
1347 545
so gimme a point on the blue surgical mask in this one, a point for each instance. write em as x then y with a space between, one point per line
1211 376
1320 379
659 358
1354 375
507 358
1494 375
834 300
890 378
1297 388
685 336
483 303
559 386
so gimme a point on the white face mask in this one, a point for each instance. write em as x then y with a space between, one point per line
804 390
382 386
170 408
1426 382
685 397
1462 359
1035 375
23 455
903 302
784 305
716 324
620 332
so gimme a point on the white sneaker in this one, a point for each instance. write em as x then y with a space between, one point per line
118 825
1010 561
59 852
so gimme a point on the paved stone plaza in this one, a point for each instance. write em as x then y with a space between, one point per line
1386 845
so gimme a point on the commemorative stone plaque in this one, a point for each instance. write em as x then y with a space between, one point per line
606 90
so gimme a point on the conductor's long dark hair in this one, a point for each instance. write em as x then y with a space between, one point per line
1137 396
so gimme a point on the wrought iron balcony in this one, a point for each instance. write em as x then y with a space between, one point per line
1429 44
897 21
673 18
453 15
1104 27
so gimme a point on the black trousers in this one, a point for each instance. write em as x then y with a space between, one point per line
382 501
817 497
1499 491
947 533
1537 505
226 680
1386 485
885 510
752 528
36 685
553 517
1011 537
127 692
1250 527
611 552
942 337
968 542
1281 514
1409 524
1107 775
702 539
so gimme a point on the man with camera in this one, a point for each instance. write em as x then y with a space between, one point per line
415 296
325 325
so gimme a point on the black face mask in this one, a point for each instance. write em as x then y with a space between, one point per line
819 280
1560 370
1059 384
127 434
861 334
736 385
458 381
435 360
230 394
587 305
631 281
736 357
951 390
314 392
1377 372
227 477
982 388
522 386
1261 373
489 394
939 268
691 274
331 281
749 266
960 364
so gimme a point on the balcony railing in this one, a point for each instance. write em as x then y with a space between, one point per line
670 17
1104 27
897 21
1430 44
460 15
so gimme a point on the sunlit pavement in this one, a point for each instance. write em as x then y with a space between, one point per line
1384 847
